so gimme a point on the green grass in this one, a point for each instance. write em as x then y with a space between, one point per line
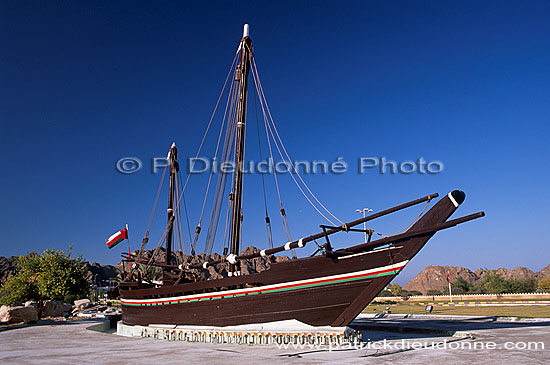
500 311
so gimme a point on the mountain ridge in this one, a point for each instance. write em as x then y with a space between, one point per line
434 277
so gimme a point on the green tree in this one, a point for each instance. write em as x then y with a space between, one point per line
493 284
461 286
522 286
62 277
385 293
54 275
544 284
396 290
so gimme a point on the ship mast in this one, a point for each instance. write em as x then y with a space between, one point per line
241 76
173 158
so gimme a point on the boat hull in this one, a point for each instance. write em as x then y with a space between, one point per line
327 290
331 295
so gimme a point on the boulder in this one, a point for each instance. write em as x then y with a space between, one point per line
18 314
30 303
82 304
3 312
56 309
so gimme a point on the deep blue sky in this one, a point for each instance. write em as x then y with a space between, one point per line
83 84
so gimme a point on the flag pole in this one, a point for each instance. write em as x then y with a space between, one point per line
450 292
128 235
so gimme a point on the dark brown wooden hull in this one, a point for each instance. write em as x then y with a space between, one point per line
315 305
316 290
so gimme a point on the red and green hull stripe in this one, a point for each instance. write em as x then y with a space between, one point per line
296 285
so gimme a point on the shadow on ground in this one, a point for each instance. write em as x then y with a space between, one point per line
416 327
42 322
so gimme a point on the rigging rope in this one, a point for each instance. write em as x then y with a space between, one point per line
259 84
282 210
215 156
146 237
178 213
198 228
185 209
209 123
268 128
267 220
155 252
221 181
156 201
409 226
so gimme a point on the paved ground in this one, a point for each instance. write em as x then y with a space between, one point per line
70 342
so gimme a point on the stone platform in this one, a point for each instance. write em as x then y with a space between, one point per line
281 332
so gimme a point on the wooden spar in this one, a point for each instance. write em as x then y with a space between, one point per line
345 226
242 76
172 157
407 235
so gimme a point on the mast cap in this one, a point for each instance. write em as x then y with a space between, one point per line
246 30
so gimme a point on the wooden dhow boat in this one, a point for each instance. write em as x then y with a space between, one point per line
330 287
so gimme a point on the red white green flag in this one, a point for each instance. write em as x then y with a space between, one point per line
118 237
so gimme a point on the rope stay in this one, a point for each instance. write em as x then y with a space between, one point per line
209 124
270 125
182 247
284 219
155 203
153 211
228 129
267 220
185 210
410 225
222 177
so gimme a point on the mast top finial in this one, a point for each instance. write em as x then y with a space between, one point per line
246 30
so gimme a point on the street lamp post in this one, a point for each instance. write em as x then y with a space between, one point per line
364 211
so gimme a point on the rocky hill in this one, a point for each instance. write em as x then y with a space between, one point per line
7 267
435 277
544 273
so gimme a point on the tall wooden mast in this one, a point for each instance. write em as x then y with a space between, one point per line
241 76
173 159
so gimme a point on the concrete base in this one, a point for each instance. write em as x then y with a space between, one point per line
282 332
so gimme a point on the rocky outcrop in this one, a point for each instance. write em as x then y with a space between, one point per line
435 277
519 273
543 274
18 314
8 266
97 273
